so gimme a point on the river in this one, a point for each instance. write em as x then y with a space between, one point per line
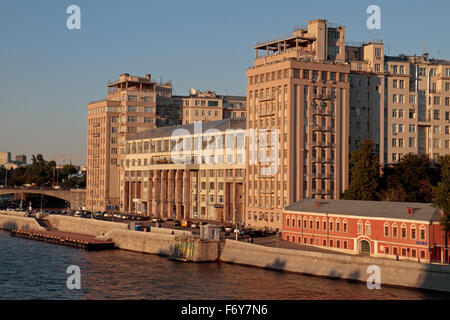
37 270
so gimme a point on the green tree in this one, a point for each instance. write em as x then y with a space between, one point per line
441 199
411 179
364 173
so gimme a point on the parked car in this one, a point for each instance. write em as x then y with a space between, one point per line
177 224
195 225
186 223
157 220
117 215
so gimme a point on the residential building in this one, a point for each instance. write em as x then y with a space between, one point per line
400 102
403 230
134 104
130 107
299 89
193 171
5 157
208 106
21 159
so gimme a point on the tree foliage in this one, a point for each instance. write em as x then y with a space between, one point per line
44 173
364 173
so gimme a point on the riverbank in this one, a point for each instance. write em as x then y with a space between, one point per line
184 246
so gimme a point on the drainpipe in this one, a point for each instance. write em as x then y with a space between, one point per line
429 231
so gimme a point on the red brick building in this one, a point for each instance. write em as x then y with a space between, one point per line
408 230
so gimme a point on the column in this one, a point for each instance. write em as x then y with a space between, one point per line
178 193
164 193
150 193
187 194
157 195
170 193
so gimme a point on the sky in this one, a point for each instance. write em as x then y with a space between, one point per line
48 73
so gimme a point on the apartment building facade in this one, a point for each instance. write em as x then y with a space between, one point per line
298 88
130 107
401 102
193 171
208 106
134 104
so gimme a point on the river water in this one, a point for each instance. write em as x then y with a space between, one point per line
37 270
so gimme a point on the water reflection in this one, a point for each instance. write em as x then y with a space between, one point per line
36 270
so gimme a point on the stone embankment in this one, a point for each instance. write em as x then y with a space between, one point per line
396 273
183 245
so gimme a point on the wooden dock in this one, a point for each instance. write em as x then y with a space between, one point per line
69 239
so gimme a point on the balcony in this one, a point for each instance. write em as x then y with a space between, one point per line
322 128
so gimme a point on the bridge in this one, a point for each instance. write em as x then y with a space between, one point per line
76 197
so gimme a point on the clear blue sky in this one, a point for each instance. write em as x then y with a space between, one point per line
48 73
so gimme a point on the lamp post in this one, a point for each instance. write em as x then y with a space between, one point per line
235 219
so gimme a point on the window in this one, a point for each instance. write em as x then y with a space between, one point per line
422 233
344 226
360 227
394 231
368 231
386 230
436 115
403 232
413 233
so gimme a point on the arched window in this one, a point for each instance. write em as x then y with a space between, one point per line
394 231
404 233
293 222
287 221
422 232
360 227
305 223
311 223
299 223
330 224
324 223
317 224
368 231
386 229
338 225
344 226
413 232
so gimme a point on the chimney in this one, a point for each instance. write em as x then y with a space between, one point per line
317 204
148 76
410 210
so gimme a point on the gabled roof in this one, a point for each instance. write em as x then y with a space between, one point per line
378 209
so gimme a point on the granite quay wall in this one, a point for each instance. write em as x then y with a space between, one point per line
397 273
12 222
162 242
84 226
